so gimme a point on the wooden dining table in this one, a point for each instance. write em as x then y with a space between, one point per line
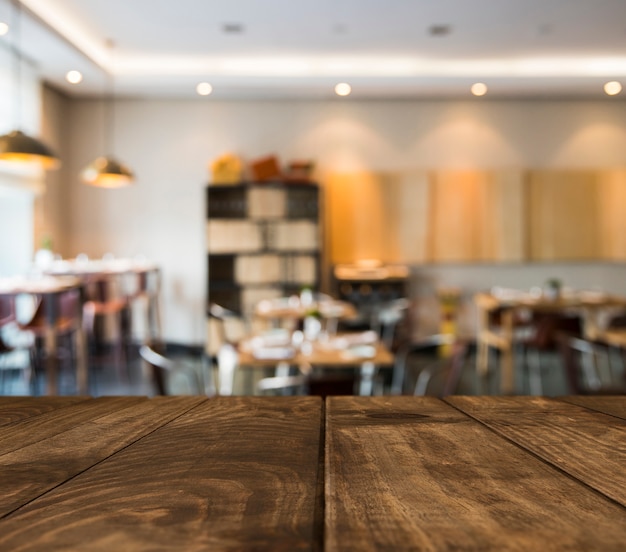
300 473
589 305
48 290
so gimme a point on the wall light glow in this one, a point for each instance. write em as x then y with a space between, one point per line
4 28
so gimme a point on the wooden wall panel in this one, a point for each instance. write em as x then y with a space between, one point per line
612 208
406 216
354 219
503 225
564 215
457 206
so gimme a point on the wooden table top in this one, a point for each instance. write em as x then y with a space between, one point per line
295 473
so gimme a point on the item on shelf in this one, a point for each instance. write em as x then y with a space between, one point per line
227 169
299 171
265 168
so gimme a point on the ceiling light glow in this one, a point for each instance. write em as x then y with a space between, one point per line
74 77
479 89
612 88
343 89
204 89
4 28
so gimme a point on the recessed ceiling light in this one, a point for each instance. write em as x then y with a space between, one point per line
73 77
232 28
204 89
479 89
4 28
439 30
612 88
343 89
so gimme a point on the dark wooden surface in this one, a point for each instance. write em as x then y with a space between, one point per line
295 473
13 409
171 474
408 473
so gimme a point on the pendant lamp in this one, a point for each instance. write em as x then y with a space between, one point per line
106 171
17 146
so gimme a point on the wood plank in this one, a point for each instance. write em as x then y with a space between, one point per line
31 430
588 445
564 215
14 409
611 405
55 457
412 473
236 473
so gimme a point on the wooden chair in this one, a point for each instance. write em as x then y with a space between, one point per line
586 375
68 332
449 366
169 375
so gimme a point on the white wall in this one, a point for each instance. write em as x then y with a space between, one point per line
170 144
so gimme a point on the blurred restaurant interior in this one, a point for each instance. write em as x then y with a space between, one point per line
324 198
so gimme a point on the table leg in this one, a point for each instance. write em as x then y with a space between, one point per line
51 311
507 367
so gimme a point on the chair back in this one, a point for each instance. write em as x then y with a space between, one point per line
163 369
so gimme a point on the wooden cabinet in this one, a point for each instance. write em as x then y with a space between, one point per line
263 241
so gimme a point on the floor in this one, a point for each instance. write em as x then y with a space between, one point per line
133 378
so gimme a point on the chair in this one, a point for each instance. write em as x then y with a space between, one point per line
387 318
145 292
586 374
450 366
226 329
171 376
320 385
106 315
543 339
67 329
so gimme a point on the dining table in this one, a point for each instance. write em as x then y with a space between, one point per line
47 292
302 473
360 351
589 305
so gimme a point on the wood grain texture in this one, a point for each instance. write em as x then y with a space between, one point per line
564 215
588 445
614 406
14 409
236 473
409 473
33 429
53 457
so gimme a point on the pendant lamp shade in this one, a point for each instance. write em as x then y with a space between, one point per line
19 147
16 146
106 172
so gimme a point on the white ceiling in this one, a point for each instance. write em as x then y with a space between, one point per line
301 49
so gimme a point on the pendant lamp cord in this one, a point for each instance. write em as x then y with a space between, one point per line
17 63
109 123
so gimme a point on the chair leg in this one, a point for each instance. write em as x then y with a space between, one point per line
534 372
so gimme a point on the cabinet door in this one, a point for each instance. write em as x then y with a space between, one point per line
612 214
564 215
477 216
